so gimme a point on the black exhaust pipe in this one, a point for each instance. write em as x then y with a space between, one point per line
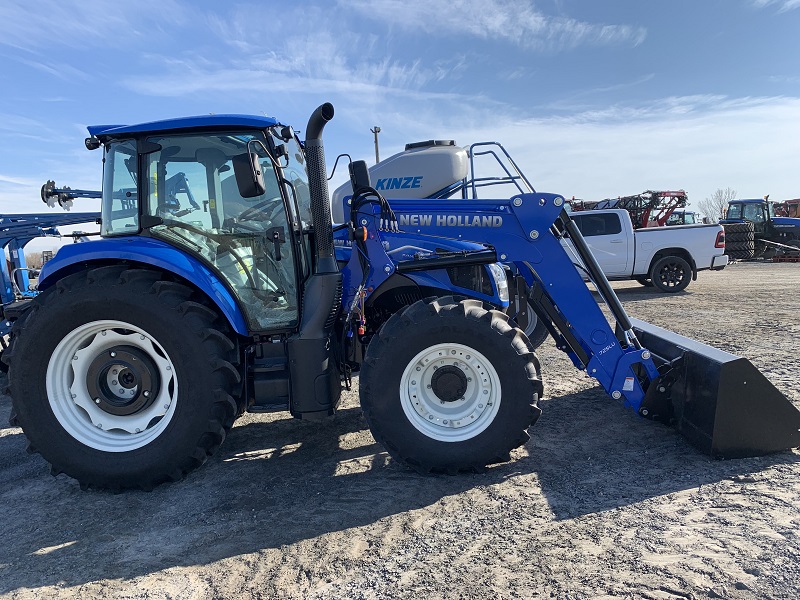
318 188
313 369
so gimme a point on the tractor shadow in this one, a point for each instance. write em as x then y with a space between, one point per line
277 483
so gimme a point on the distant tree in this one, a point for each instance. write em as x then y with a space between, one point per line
33 260
714 208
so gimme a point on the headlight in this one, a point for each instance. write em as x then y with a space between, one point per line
499 275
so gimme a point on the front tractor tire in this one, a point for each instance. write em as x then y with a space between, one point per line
450 386
123 379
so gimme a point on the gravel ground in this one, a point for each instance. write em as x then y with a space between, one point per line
599 503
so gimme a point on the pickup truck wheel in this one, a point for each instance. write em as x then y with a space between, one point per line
449 386
671 274
122 379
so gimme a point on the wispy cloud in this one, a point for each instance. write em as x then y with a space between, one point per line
61 71
46 23
512 21
783 5
15 180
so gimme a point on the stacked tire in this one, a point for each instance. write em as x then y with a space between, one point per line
739 240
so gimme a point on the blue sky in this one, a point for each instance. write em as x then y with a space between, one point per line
594 99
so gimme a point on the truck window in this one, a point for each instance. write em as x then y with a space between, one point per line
599 224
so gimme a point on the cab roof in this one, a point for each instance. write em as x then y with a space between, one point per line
228 121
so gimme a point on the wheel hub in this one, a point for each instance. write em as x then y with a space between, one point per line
449 383
122 380
450 392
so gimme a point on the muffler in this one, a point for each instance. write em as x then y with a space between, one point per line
719 401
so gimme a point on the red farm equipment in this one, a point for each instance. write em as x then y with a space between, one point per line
648 209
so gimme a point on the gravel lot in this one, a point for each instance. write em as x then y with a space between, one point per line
599 503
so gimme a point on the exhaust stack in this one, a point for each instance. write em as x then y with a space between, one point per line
318 188
313 367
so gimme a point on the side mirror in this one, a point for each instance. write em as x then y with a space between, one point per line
249 177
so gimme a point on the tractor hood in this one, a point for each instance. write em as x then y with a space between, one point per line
402 247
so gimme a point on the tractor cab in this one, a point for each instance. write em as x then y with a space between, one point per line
758 212
195 191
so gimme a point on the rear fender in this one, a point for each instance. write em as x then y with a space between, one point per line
146 252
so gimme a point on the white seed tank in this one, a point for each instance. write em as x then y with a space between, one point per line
421 170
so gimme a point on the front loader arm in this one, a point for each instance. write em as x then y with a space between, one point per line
526 231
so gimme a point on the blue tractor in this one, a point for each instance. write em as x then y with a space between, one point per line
772 233
220 285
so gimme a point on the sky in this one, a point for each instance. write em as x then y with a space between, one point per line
592 99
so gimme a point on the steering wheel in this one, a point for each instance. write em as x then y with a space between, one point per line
249 213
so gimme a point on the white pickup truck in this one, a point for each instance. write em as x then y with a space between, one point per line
665 257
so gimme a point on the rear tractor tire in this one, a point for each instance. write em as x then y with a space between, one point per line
671 274
122 379
449 386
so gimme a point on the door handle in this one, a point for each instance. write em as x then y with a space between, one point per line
616 241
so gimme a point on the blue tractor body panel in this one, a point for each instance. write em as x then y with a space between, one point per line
151 252
787 225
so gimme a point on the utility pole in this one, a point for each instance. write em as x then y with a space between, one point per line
376 130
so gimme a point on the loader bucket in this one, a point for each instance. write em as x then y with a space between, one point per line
719 401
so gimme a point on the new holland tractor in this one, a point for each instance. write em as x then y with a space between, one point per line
142 348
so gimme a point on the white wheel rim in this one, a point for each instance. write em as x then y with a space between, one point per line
457 420
79 413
